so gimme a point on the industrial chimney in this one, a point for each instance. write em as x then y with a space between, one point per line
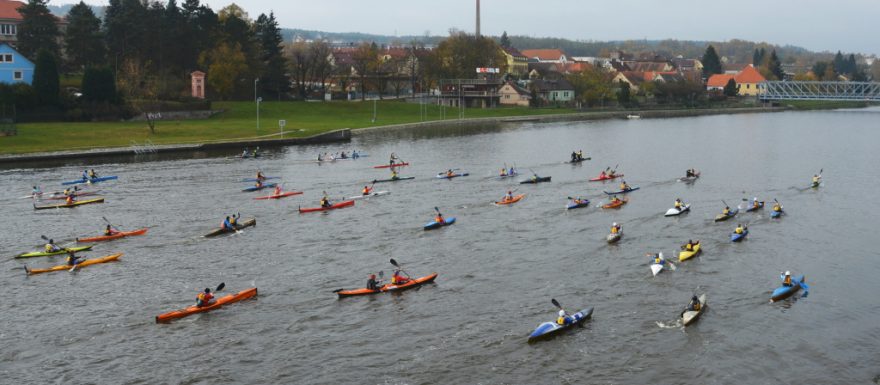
478 19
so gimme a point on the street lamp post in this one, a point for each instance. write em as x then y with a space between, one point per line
258 113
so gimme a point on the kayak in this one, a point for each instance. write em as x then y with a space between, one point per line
547 329
49 253
535 180
606 177
334 206
614 205
393 179
392 165
815 184
74 204
508 175
282 195
613 238
753 208
691 316
91 180
675 212
443 175
784 292
657 268
776 214
688 179
516 198
734 237
582 203
370 195
76 194
389 287
256 188
83 263
118 235
722 217
622 191
436 225
575 161
218 303
255 179
238 226
684 255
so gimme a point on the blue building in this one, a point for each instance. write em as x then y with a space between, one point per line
14 68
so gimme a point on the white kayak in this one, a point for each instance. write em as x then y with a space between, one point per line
657 268
370 195
611 238
675 212
689 316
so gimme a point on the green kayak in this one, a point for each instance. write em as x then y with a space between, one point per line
46 254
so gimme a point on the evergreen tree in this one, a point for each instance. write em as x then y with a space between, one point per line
274 80
83 42
99 85
711 62
775 66
819 69
851 66
46 82
37 30
125 29
730 89
758 57
839 63
623 93
505 41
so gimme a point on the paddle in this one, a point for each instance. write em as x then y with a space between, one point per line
111 224
393 262
556 303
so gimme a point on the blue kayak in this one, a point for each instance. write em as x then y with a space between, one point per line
622 191
784 292
255 188
775 214
443 175
92 180
571 205
548 329
436 225
734 237
255 179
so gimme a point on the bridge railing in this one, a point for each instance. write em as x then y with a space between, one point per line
806 90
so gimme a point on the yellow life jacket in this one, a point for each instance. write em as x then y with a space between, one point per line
613 229
48 248
739 230
689 247
777 208
560 320
697 306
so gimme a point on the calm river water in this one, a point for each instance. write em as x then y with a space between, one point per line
499 266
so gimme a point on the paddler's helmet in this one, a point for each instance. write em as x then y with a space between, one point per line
660 255
562 313
372 276
787 272
694 298
207 290
614 224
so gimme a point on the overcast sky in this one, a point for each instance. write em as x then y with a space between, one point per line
847 25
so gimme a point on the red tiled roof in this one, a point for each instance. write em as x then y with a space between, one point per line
513 52
9 9
543 54
749 75
718 80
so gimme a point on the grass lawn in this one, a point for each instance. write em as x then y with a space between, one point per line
239 121
823 104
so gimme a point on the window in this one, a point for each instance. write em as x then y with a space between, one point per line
565 94
6 58
748 86
17 75
7 29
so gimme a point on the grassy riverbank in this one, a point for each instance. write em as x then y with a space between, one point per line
824 105
239 121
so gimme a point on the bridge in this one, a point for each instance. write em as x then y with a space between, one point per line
833 91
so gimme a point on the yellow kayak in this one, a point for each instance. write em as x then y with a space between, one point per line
685 255
84 263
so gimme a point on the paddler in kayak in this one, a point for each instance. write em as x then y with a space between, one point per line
439 218
393 159
204 298
325 201
36 191
256 152
109 230
740 229
394 174
277 191
366 191
690 173
260 176
615 200
258 184
755 203
816 179
574 157
450 173
678 204
580 154
229 223
615 228
786 279
51 247
777 207
373 284
726 211
623 186
244 154
72 259
398 279
503 172
658 259
695 304
508 197
689 246
563 318
85 174
92 174
578 201
71 198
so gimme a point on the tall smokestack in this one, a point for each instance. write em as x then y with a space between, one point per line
478 19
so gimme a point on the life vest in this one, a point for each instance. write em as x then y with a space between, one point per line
232 221
92 174
108 232
561 320
623 186
787 281
503 172
71 260
815 179
69 199
689 247
366 191
739 230
726 211
697 306
756 204
658 261
678 204
439 219
204 298
777 208
614 230
49 247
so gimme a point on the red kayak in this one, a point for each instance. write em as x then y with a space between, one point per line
282 195
606 177
389 287
118 235
331 207
392 165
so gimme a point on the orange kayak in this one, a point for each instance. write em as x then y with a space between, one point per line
516 198
84 263
388 287
218 303
614 205
118 235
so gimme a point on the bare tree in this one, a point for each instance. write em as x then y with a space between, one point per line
299 63
319 52
362 60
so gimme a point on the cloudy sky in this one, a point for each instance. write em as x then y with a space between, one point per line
848 25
